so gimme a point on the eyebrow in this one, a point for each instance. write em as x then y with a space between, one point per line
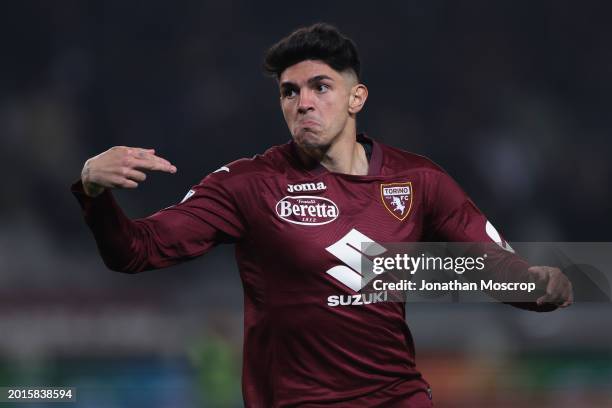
314 79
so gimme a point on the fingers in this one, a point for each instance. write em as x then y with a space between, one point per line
145 159
135 175
139 152
539 274
129 184
559 289
154 163
553 295
135 159
122 182
121 167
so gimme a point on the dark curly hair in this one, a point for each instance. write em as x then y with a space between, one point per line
320 41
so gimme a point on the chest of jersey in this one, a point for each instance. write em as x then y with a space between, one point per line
321 210
320 231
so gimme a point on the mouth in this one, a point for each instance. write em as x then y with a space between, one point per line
306 133
308 123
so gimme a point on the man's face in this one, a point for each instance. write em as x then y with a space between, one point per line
315 101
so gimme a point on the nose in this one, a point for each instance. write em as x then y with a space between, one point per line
305 102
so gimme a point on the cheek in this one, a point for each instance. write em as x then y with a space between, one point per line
335 111
286 112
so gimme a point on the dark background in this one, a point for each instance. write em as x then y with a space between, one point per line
512 98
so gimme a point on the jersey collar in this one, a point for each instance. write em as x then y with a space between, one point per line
374 166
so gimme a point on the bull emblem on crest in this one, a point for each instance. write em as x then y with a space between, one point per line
397 198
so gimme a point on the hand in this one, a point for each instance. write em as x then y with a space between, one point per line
558 288
119 167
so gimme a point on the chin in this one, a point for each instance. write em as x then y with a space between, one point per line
309 139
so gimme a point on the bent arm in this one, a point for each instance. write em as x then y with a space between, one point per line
455 218
170 236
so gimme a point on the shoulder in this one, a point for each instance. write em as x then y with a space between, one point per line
397 160
434 180
238 178
239 171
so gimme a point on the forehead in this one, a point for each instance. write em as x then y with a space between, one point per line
304 70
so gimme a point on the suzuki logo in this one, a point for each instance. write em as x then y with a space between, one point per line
353 250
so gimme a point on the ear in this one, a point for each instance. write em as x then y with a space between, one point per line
357 98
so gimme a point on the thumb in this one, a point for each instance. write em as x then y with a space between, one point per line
539 274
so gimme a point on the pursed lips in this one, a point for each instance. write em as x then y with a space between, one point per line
308 123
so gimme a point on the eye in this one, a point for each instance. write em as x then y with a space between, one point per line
322 88
288 93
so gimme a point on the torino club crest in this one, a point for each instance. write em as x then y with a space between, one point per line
397 198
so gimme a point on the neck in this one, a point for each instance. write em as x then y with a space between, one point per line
343 155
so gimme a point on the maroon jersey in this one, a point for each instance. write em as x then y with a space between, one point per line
309 336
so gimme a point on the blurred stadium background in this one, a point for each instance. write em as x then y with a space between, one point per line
512 98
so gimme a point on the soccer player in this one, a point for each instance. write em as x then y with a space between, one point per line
298 215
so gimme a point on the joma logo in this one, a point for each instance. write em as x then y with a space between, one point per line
297 188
